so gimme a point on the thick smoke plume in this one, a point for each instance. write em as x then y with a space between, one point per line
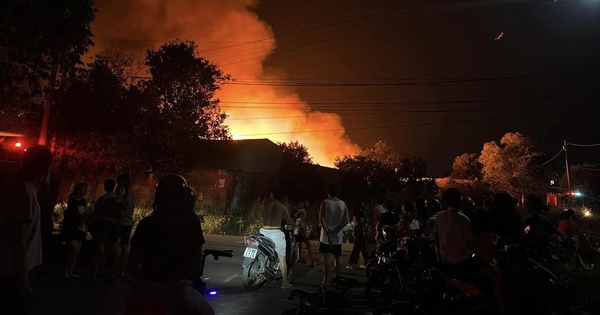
222 30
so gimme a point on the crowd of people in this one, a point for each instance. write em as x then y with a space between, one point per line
166 248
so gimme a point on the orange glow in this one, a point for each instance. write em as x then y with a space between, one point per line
18 144
237 136
214 24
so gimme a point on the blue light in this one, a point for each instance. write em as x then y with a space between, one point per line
213 292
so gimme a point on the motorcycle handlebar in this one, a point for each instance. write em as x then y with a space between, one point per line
218 253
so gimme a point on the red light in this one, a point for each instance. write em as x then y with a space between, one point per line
18 144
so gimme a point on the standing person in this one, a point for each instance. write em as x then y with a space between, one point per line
409 225
166 255
20 233
505 221
300 234
333 217
455 240
126 219
109 193
376 212
73 229
274 213
106 233
360 243
387 219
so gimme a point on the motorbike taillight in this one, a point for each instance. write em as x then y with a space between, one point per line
250 241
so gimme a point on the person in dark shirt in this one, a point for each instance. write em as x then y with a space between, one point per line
505 222
387 219
360 243
73 230
166 255
106 233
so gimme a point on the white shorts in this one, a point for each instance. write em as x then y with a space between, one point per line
277 237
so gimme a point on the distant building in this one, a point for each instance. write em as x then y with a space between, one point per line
232 174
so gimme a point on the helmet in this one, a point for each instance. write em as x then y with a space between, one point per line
433 205
171 190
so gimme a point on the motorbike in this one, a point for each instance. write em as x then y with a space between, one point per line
326 301
199 284
261 264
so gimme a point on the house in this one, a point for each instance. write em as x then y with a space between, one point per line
232 174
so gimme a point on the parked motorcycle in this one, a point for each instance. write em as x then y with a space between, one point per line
261 264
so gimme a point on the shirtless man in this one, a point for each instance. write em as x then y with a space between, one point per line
274 212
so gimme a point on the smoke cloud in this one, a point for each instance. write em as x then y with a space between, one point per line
232 36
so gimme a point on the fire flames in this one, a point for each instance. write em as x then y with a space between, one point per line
232 36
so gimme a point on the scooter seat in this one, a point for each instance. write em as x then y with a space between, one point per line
345 282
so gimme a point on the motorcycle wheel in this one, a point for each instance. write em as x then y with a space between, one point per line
382 287
251 276
369 268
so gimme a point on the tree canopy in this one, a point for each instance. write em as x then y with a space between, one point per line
382 169
467 166
295 152
513 165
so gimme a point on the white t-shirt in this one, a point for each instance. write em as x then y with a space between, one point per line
27 212
334 214
454 231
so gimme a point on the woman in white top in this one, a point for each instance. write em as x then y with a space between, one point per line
333 217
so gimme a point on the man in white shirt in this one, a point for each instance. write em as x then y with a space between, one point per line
333 217
455 239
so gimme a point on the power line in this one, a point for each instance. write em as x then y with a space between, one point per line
419 82
322 26
402 112
379 127
552 159
584 145
406 103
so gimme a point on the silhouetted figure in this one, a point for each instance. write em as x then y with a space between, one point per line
360 243
106 229
505 221
73 228
126 221
536 222
166 255
300 233
455 239
20 233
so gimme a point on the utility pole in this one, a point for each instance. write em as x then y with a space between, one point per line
567 166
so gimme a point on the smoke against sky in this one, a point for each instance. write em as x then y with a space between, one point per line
232 36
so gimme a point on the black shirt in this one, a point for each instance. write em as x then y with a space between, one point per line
168 248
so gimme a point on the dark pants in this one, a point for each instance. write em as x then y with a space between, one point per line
359 246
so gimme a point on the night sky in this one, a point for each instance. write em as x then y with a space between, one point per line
385 67
555 46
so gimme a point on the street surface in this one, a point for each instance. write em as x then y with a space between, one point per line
54 295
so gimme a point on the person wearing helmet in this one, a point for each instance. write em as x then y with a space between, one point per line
166 255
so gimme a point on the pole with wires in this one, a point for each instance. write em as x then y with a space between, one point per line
567 166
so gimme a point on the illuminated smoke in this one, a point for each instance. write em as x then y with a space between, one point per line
255 111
